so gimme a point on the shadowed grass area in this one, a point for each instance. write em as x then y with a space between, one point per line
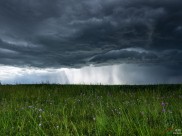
90 110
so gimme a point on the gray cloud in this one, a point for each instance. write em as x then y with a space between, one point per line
69 33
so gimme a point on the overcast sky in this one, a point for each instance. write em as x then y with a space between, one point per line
91 41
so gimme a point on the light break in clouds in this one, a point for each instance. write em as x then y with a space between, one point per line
116 74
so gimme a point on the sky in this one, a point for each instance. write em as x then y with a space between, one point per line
90 41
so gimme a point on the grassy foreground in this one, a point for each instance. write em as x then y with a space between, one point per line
90 110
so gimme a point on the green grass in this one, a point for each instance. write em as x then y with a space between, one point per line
90 110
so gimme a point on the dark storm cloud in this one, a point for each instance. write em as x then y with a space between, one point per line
69 33
139 56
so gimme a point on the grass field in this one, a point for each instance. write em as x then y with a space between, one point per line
90 110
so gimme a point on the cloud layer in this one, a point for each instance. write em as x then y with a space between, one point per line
116 74
69 33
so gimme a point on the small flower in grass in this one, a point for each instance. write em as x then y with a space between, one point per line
40 124
94 118
163 110
30 107
57 127
40 110
40 116
163 104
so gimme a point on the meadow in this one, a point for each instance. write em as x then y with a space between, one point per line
78 110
